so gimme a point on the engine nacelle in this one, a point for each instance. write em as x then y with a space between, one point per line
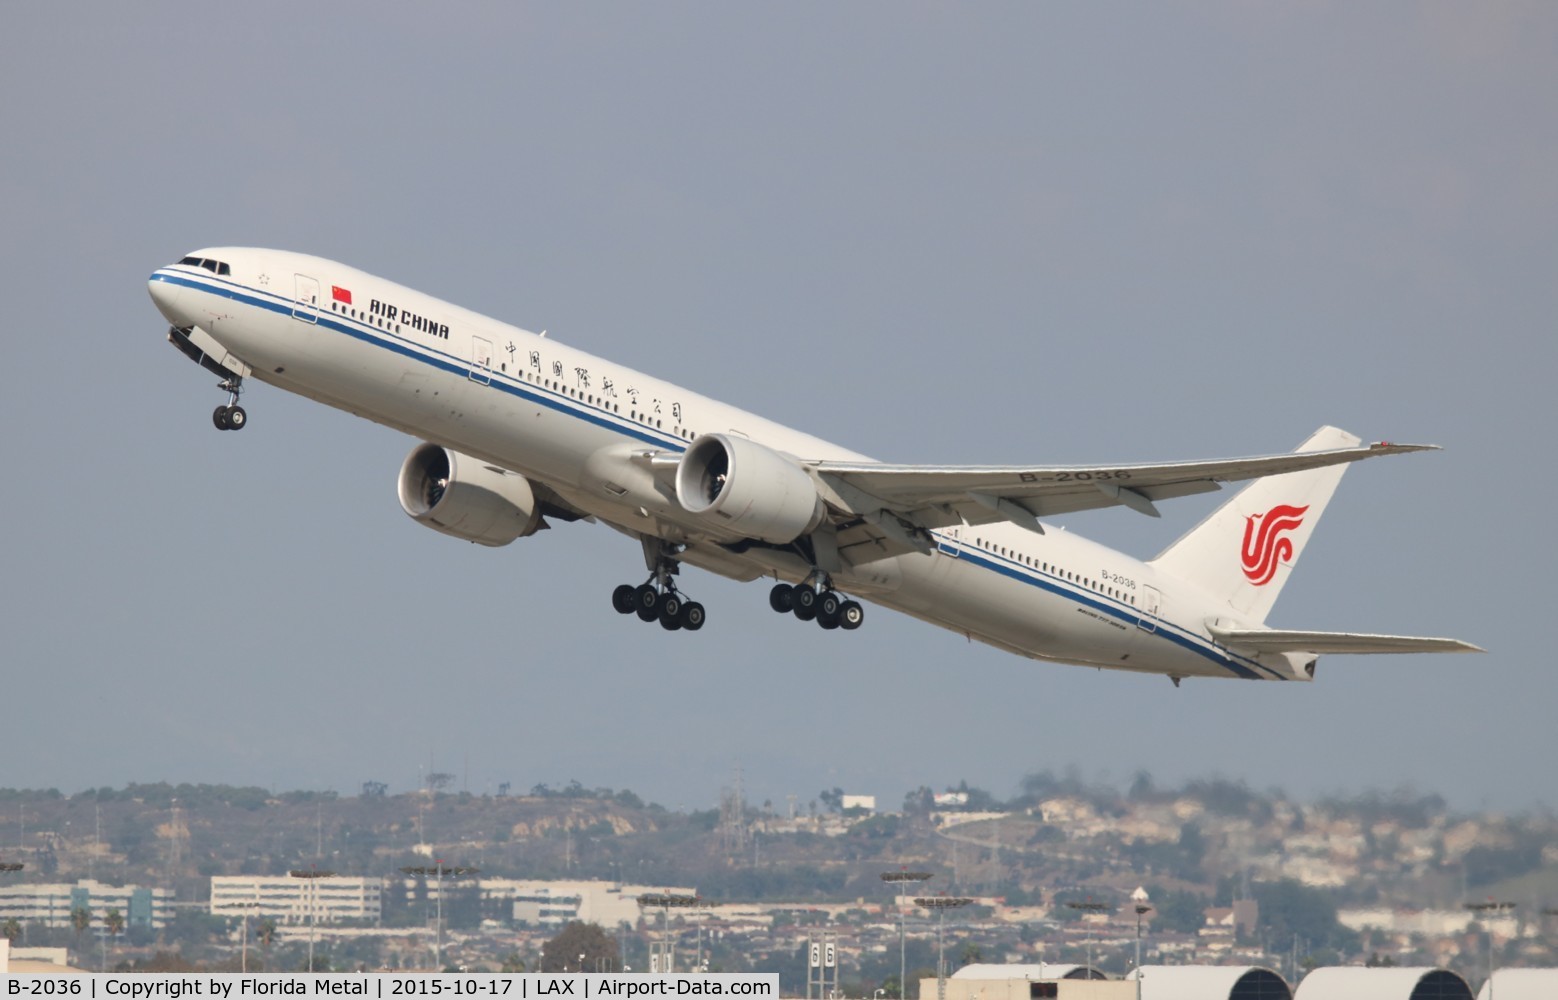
747 489
465 497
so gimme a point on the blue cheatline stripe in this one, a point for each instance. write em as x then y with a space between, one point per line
1168 631
438 359
553 400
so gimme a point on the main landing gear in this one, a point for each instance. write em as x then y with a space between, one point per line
657 599
230 417
818 602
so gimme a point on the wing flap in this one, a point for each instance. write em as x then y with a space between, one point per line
1260 640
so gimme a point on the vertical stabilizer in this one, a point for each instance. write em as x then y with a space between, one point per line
1245 550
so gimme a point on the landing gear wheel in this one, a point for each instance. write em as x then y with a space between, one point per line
237 418
782 598
805 602
646 601
622 598
851 614
670 612
828 605
220 419
692 617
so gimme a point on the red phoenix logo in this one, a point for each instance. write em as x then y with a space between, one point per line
1265 548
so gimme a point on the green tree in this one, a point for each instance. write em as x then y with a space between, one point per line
562 953
1178 910
12 930
80 919
113 922
266 933
513 963
1288 908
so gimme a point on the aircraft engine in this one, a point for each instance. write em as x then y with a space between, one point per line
465 497
747 489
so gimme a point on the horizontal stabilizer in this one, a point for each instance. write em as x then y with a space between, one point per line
1261 640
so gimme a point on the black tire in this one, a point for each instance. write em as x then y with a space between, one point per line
829 624
828 605
219 418
622 598
851 615
805 602
237 417
781 598
692 616
672 622
646 601
670 606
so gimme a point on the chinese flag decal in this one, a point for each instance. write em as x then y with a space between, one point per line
340 294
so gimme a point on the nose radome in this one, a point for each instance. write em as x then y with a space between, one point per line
165 295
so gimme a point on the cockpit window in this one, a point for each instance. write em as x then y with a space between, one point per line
214 266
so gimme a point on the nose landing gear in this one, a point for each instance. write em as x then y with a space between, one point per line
231 416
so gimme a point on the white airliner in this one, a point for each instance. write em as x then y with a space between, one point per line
522 430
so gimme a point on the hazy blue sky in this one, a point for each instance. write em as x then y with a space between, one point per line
938 233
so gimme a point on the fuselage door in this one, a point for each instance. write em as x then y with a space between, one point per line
307 304
1147 621
481 360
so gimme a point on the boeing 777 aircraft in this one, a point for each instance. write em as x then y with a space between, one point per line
521 430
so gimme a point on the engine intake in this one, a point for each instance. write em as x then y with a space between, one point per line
748 490
464 497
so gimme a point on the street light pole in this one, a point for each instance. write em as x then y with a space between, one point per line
666 900
1483 911
311 877
243 960
1087 908
941 904
439 872
900 877
1142 909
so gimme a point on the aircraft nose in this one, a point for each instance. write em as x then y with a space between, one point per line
165 294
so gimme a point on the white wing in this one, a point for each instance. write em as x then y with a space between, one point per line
895 505
1293 641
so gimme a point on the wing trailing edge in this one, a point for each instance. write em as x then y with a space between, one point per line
1261 640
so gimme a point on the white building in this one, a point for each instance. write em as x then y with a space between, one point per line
1521 984
983 981
555 902
1209 982
1437 923
50 904
1354 983
296 900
